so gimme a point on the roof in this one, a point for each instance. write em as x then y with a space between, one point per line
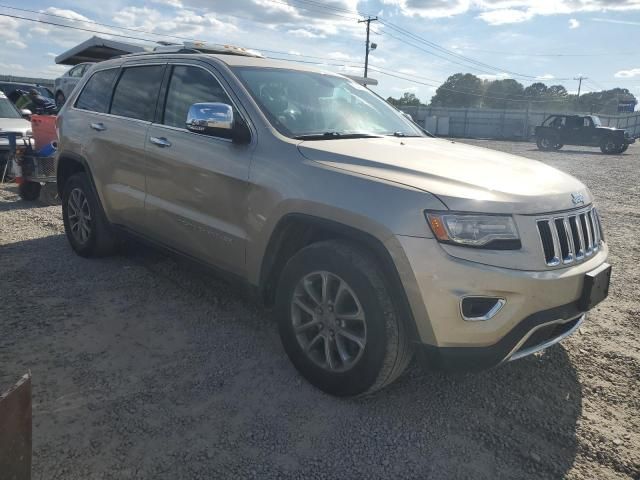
97 49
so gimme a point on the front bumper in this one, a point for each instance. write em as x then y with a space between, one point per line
541 306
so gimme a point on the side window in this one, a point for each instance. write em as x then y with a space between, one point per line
76 71
96 93
137 92
190 85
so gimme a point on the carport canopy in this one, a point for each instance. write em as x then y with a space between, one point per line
97 49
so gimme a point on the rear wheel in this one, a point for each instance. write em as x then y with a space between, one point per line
29 191
87 229
337 322
545 143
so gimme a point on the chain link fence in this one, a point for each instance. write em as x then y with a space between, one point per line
501 124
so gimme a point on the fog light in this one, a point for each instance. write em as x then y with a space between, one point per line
480 308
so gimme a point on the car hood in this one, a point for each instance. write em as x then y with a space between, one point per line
18 125
464 177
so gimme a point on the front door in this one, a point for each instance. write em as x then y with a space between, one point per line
197 184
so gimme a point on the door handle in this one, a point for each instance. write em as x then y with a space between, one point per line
160 141
99 127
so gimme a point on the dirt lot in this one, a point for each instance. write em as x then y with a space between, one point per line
144 367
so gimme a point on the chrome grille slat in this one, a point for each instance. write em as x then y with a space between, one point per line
567 231
571 237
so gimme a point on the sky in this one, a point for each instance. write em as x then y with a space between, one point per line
421 41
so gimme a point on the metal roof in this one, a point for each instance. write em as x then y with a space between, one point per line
97 49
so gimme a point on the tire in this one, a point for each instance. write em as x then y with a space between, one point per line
29 191
88 231
558 146
545 143
384 350
608 146
623 148
60 99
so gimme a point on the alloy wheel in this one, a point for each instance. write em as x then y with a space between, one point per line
79 214
328 321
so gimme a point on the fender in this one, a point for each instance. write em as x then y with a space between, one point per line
332 229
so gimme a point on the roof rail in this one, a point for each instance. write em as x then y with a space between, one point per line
199 47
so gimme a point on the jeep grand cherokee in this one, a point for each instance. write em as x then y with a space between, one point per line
371 239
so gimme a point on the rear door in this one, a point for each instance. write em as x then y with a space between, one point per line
113 128
197 184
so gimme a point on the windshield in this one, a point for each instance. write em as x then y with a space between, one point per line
7 110
596 121
306 104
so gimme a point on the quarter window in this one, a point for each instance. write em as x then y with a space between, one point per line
137 92
97 92
190 85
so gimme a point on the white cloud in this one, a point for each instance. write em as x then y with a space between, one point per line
505 15
573 23
500 12
546 76
16 43
301 32
498 76
633 72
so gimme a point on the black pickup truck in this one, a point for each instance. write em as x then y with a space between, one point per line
559 130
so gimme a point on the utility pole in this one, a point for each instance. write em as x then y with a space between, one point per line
580 78
368 21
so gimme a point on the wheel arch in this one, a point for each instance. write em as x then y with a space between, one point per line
69 164
295 231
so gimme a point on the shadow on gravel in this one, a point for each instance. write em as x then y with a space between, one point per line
582 152
145 367
19 204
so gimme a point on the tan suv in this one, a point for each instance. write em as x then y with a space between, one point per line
372 239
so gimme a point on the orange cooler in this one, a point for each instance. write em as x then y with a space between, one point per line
44 130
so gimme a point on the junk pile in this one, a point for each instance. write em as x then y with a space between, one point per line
32 160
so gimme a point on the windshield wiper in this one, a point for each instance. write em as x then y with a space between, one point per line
401 134
335 136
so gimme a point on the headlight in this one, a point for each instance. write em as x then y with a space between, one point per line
497 232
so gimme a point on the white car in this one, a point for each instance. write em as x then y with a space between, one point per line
64 85
10 121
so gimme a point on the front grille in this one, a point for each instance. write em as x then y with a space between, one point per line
570 237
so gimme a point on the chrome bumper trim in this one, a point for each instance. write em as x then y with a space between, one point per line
516 354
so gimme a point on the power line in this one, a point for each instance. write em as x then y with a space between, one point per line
379 70
72 27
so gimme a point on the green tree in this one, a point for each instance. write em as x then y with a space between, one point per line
408 99
536 91
506 93
459 90
557 91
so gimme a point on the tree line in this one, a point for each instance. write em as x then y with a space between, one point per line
469 91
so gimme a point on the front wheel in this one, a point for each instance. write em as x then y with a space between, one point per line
337 321
609 146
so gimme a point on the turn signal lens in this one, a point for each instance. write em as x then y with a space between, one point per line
438 227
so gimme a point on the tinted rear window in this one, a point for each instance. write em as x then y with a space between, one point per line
97 92
137 92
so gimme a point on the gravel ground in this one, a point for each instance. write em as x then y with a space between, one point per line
145 367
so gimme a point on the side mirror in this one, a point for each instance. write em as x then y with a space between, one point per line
217 119
26 113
